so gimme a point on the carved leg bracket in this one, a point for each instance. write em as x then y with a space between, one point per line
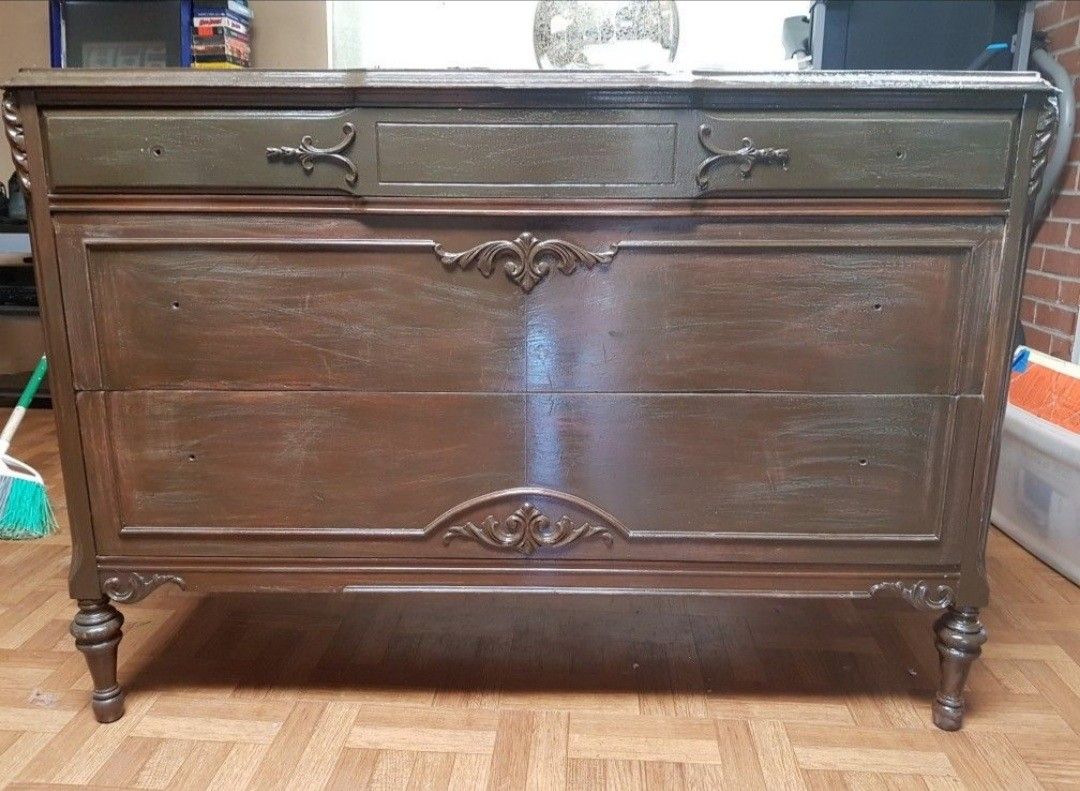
959 641
97 634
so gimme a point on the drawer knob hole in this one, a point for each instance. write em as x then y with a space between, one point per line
877 305
191 457
157 151
899 154
862 462
176 306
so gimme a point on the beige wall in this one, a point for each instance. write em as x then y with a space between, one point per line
24 35
24 42
289 34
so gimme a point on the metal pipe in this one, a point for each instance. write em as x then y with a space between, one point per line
1059 151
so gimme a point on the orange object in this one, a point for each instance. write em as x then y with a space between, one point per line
1048 390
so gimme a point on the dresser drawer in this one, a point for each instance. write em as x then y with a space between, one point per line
863 153
446 304
633 153
372 315
706 472
757 314
525 479
177 472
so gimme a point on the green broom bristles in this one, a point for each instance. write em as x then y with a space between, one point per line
24 504
26 510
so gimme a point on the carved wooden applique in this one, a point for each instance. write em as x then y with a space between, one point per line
13 128
526 260
921 595
132 586
527 530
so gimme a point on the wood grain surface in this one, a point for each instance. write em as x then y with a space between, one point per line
368 315
788 316
796 466
443 692
314 460
602 152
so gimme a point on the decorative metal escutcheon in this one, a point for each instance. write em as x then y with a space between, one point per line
745 157
307 154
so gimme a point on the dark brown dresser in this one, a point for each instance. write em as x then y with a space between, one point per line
744 335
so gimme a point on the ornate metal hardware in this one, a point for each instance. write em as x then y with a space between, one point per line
746 157
132 586
921 595
526 530
526 260
307 154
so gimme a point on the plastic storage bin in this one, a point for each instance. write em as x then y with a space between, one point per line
1037 499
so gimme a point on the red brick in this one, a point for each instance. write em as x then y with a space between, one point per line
1066 206
1074 148
1037 339
1053 233
1072 8
1035 257
1070 60
1068 181
1069 293
1040 287
1027 311
1074 235
1054 318
1048 14
1061 348
1063 36
1061 262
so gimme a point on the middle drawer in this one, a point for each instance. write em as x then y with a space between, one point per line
582 306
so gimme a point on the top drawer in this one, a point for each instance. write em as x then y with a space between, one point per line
401 152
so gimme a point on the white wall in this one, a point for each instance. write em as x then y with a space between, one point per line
736 35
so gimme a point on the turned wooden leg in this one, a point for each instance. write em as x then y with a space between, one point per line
959 642
96 629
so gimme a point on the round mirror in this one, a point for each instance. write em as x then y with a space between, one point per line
605 34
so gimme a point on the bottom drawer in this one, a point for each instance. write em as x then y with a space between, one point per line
742 476
307 473
524 478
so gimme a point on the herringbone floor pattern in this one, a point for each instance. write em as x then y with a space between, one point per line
428 692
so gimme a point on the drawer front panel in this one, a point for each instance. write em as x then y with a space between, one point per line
566 154
728 316
864 153
724 467
374 315
602 477
633 153
289 465
188 150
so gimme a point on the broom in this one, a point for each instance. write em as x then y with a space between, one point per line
24 503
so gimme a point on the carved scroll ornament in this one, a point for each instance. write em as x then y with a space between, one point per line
745 157
921 595
307 154
127 587
1045 128
526 260
527 530
17 140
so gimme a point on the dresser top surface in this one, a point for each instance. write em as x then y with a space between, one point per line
456 80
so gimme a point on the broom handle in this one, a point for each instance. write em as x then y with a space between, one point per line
27 396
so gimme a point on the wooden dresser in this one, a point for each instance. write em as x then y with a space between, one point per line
739 335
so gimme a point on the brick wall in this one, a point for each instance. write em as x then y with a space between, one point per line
1052 284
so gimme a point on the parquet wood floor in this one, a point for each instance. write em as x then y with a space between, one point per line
511 692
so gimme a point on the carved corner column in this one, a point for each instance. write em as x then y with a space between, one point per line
97 634
960 637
